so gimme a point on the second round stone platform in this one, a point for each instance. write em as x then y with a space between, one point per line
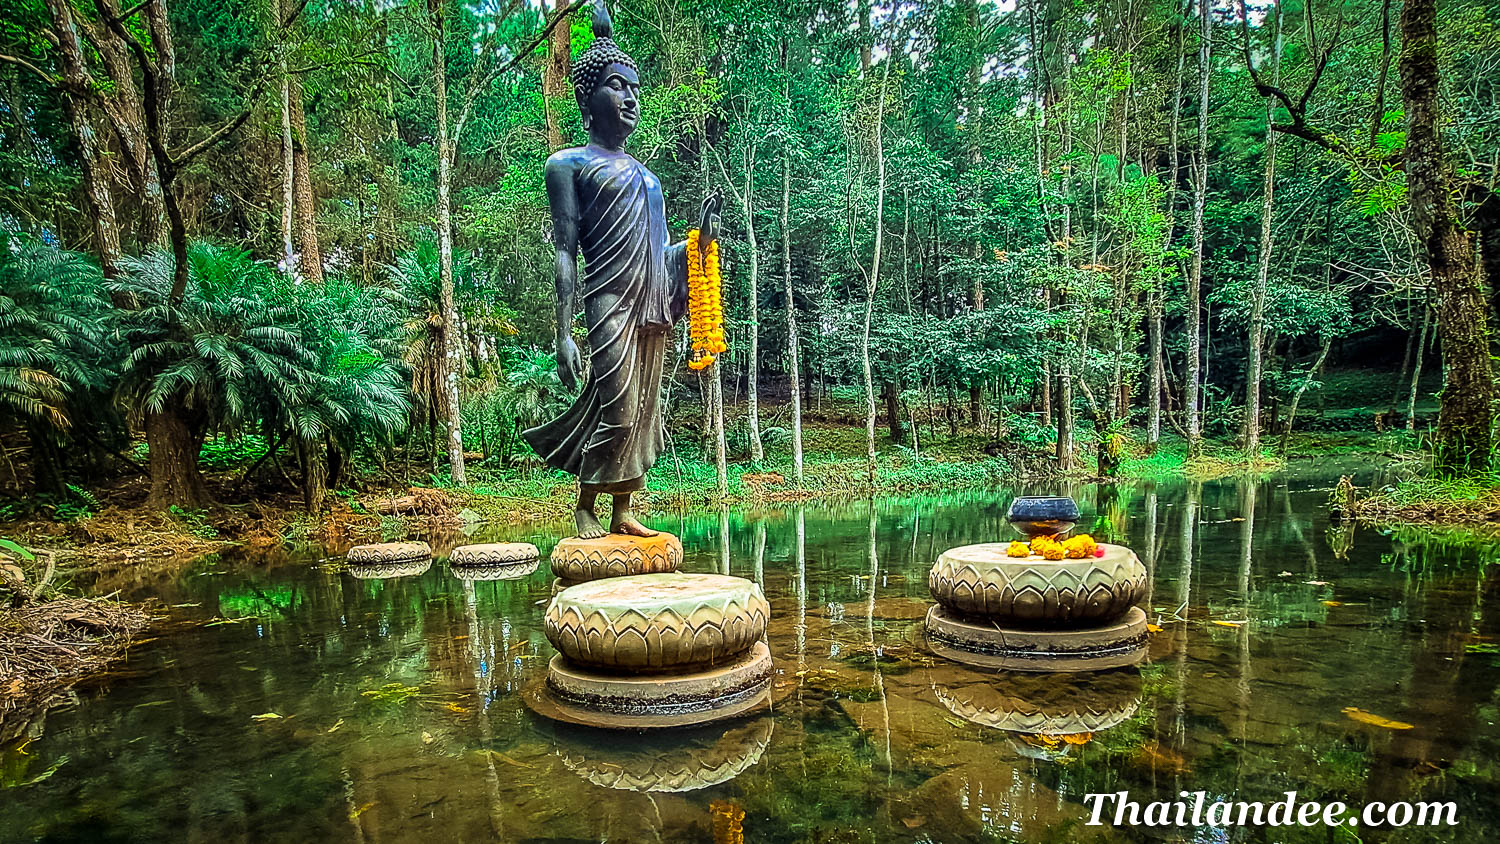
657 650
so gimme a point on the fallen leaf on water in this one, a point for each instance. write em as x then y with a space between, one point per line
427 737
265 716
1333 603
453 707
355 813
1229 623
1078 738
1153 628
1354 713
510 760
1317 583
459 638
1285 574
955 722
335 727
913 822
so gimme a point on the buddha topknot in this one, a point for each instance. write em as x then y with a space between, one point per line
591 63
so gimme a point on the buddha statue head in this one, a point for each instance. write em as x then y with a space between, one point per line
607 84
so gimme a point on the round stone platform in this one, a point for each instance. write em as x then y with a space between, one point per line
1069 703
615 555
657 622
494 554
387 552
580 695
992 645
981 581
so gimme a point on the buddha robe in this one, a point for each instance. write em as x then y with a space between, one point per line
634 290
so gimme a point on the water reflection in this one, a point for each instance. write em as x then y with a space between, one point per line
401 716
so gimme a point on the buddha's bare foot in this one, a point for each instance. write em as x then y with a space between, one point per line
625 522
588 525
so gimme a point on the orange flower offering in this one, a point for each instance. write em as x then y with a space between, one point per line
1018 549
705 302
1080 547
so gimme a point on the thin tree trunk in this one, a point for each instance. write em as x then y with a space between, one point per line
794 365
757 451
874 277
307 223
1416 370
288 163
452 346
1263 265
1291 413
1195 276
1158 295
1466 415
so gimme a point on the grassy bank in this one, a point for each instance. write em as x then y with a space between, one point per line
1473 501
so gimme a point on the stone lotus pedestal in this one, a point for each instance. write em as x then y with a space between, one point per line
1032 614
576 560
656 650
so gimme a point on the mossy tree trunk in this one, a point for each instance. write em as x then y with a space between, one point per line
1466 415
174 436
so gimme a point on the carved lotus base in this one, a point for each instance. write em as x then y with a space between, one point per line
494 554
581 695
657 622
685 760
615 555
383 571
387 552
990 645
981 582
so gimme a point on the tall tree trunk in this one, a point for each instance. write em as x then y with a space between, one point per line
757 451
1158 294
311 454
873 282
794 365
75 86
555 86
1263 265
307 224
452 344
1466 415
288 162
1195 276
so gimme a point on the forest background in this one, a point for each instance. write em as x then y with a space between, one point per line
303 247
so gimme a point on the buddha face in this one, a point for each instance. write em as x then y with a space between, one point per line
615 108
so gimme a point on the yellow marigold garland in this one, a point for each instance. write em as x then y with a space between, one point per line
705 302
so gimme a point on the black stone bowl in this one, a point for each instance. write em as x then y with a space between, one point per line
1043 515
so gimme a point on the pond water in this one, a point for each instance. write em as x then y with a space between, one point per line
402 719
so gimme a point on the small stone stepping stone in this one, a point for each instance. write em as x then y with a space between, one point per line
494 554
387 552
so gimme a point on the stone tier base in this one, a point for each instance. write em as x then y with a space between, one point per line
990 646
581 696
615 555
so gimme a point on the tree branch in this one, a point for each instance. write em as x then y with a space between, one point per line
184 156
17 60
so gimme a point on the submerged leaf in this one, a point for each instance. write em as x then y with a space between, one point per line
1354 713
265 716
